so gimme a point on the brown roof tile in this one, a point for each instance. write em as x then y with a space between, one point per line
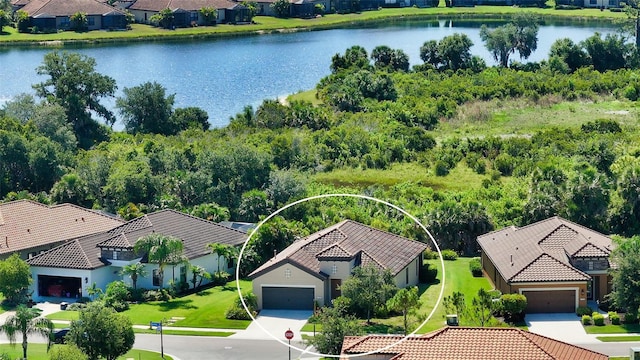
26 224
518 253
464 343
195 233
68 7
373 246
190 5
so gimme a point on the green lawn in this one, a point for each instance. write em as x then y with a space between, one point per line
202 310
185 332
618 338
613 329
458 278
266 24
39 352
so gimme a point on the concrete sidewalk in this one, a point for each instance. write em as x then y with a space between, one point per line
565 327
272 324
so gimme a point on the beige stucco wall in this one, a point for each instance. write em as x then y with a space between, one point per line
298 278
414 274
343 268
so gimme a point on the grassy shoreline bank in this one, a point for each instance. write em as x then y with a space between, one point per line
269 25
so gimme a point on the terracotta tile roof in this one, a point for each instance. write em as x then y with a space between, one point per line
464 343
189 5
68 7
26 224
517 253
194 232
362 242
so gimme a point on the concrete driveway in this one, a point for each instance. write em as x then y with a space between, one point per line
563 326
275 322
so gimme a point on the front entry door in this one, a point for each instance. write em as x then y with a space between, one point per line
335 288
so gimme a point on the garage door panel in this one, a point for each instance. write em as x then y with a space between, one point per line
287 298
550 301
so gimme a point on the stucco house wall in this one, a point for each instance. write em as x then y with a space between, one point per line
102 277
297 278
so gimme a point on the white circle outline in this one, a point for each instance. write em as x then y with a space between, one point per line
244 305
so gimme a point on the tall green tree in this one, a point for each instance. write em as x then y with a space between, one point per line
226 251
5 19
100 332
74 84
405 300
336 324
570 53
198 274
385 58
480 313
520 35
625 284
146 109
27 321
190 118
15 278
282 8
134 271
368 287
160 249
354 57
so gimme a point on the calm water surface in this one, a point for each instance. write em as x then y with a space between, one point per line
222 76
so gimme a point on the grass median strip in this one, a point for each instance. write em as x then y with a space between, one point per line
620 338
185 332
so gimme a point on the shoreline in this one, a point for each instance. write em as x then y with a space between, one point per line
267 25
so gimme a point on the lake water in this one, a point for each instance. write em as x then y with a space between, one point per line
221 76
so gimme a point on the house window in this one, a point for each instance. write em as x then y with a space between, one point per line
64 22
593 2
32 254
194 16
590 265
115 255
230 263
287 273
156 277
183 274
406 276
91 21
334 269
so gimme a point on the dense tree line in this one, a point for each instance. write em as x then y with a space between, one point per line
376 113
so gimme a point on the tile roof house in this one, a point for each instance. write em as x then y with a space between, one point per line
557 264
29 228
69 269
454 343
311 269
55 14
297 8
187 12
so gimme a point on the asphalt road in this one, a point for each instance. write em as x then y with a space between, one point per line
212 348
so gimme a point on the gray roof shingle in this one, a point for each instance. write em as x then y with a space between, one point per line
195 233
541 251
372 246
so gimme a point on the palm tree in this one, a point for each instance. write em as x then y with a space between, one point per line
94 290
160 249
28 322
222 250
134 271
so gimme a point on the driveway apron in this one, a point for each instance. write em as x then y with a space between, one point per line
562 326
275 322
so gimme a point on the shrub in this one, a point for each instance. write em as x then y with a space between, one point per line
586 320
84 299
76 306
430 254
476 267
156 295
615 319
584 310
630 319
117 296
513 306
428 273
441 168
449 254
220 278
598 319
237 312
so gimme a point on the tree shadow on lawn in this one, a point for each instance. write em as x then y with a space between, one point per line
176 304
422 287
379 328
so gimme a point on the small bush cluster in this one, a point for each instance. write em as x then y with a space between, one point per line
430 254
614 318
513 306
220 278
598 319
237 312
449 254
584 310
630 319
586 320
476 267
156 295
428 273
76 306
